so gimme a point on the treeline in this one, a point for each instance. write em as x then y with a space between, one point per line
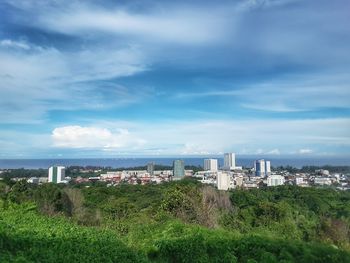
181 221
332 169
311 169
24 173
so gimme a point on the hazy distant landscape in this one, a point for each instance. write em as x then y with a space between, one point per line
133 162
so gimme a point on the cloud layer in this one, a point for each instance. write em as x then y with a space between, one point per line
93 137
186 77
208 137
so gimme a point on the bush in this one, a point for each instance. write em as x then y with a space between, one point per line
27 237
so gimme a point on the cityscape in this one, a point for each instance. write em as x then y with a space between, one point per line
228 177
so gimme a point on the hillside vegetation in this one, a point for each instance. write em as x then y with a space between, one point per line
174 222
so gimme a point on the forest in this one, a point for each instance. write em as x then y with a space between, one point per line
182 221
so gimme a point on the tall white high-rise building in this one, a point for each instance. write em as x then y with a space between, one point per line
267 168
210 164
57 174
229 161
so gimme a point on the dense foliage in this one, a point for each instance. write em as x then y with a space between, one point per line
24 173
27 237
308 214
180 221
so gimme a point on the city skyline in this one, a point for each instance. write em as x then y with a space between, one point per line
185 78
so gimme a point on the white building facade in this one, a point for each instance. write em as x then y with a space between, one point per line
223 181
210 164
275 180
322 181
57 174
267 168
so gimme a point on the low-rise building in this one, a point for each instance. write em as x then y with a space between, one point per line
250 184
223 181
239 181
33 180
301 181
275 180
322 181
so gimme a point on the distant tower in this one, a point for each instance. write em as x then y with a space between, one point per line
262 168
210 164
56 174
229 161
150 168
178 168
268 168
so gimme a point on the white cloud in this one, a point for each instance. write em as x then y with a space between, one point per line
94 137
213 136
274 152
102 64
176 25
196 137
35 80
301 93
251 4
45 79
293 93
14 44
260 151
274 106
305 151
152 22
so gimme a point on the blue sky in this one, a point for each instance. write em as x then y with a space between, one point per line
144 78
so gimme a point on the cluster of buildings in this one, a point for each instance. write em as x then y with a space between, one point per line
225 177
143 176
318 178
130 177
230 176
150 175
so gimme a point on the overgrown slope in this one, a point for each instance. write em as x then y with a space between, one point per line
177 222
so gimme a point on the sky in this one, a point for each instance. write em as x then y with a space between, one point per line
174 78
